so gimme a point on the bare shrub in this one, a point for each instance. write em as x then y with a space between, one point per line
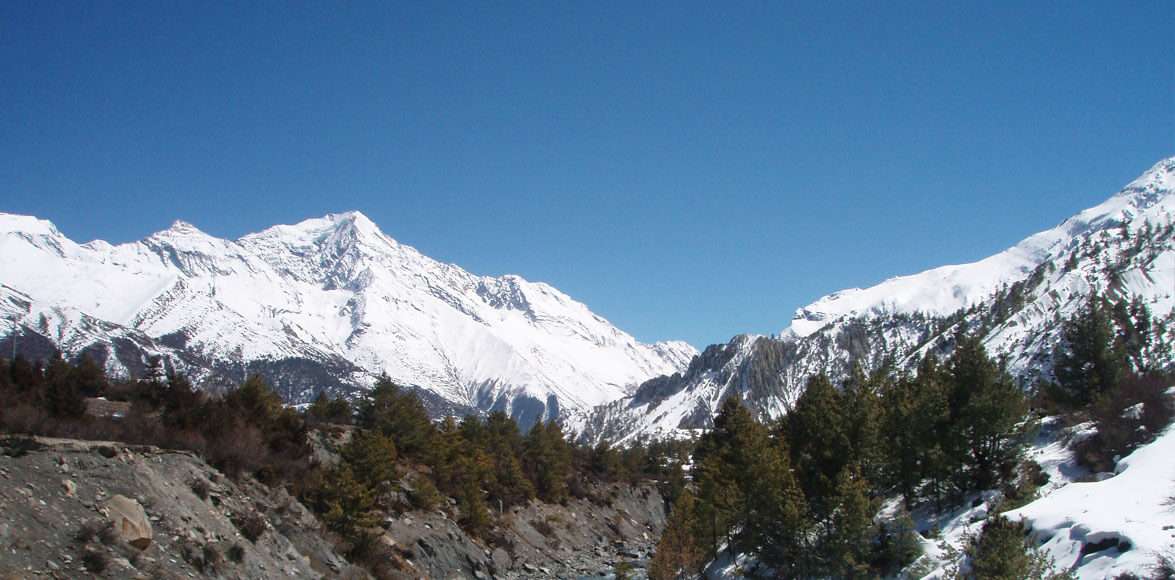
87 532
251 525
201 488
95 561
544 528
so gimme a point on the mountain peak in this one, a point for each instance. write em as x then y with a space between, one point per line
340 300
183 227
1159 177
11 222
180 229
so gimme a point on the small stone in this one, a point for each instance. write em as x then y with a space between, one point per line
71 488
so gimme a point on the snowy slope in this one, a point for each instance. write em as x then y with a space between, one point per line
332 291
1095 527
1130 516
1124 248
944 290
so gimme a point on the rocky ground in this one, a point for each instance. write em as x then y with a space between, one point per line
77 509
577 540
73 509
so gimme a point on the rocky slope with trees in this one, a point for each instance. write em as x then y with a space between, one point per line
163 480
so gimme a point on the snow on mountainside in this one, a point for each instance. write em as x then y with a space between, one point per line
1103 529
330 301
1122 249
942 291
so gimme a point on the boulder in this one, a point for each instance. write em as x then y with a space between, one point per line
501 560
130 521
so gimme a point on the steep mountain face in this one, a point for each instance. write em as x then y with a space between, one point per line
327 303
1122 249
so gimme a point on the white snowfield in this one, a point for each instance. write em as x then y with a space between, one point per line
1131 516
329 288
946 289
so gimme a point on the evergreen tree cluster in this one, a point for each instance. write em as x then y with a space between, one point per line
57 387
1003 551
803 494
1104 370
486 464
246 430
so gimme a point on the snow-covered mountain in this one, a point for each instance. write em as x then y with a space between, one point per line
1124 248
328 302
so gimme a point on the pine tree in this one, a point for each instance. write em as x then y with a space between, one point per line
931 424
721 469
345 502
324 409
317 410
848 542
90 377
399 415
777 526
678 554
718 501
547 461
506 482
25 376
863 418
905 440
255 400
338 410
472 468
372 458
1090 360
472 430
423 494
62 397
986 407
183 405
1002 552
5 376
605 461
818 434
447 448
898 544
747 494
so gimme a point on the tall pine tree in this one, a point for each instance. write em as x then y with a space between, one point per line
1090 359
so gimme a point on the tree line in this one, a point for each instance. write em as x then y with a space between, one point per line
395 459
804 493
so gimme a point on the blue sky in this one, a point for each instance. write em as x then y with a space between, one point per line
689 170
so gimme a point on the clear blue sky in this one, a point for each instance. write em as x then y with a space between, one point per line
688 170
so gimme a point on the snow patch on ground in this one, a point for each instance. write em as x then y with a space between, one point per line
1130 516
1096 529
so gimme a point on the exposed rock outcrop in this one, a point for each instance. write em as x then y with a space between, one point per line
129 520
134 512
